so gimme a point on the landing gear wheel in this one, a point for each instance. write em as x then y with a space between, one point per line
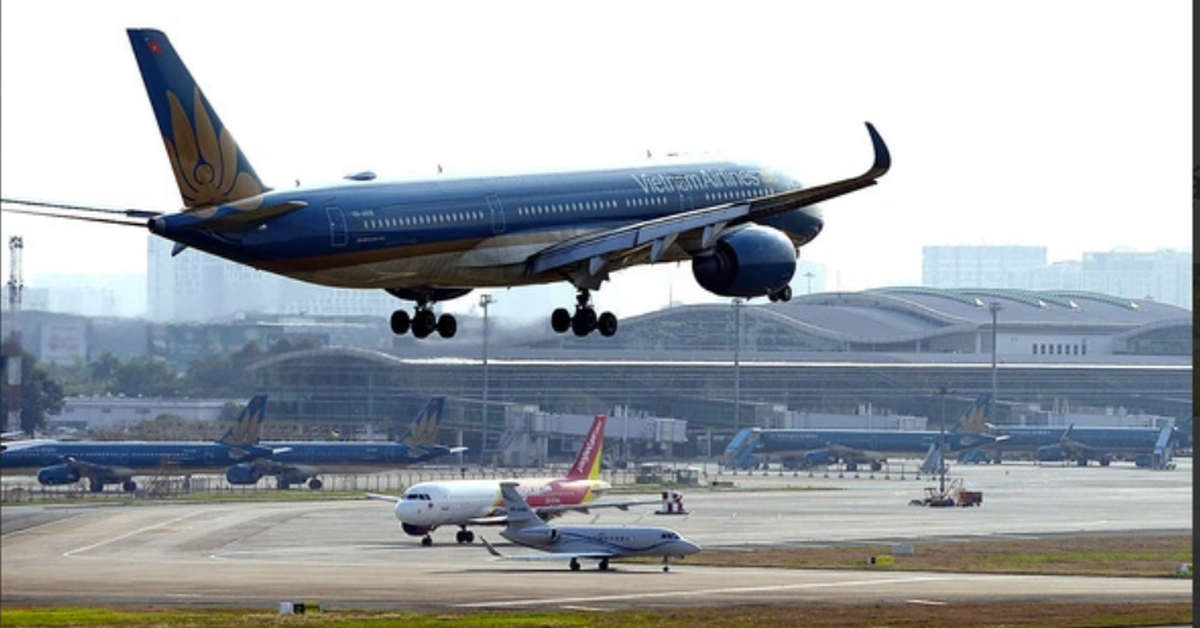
603 564
400 322
447 325
464 536
283 484
574 565
426 541
560 320
607 324
315 484
129 486
584 322
424 322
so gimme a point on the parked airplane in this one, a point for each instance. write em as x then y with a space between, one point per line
115 462
739 224
1138 446
297 462
834 453
806 447
426 506
594 542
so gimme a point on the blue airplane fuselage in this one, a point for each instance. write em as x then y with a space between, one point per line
468 231
131 454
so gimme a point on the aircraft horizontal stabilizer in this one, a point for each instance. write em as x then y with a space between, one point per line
248 220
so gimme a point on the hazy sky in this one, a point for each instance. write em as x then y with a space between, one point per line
1065 124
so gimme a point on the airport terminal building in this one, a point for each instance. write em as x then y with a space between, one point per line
893 351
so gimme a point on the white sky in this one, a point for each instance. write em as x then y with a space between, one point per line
1065 124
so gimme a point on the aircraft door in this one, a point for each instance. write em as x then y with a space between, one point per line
685 201
497 211
337 226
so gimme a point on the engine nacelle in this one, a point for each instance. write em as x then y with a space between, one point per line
415 530
819 458
243 473
57 475
753 261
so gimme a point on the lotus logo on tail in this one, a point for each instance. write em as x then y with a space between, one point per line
205 160
424 431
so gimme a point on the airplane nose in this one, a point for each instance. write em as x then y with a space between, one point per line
409 510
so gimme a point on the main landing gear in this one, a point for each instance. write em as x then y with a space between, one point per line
783 294
424 322
585 320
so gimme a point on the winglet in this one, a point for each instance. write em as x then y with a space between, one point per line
491 550
883 157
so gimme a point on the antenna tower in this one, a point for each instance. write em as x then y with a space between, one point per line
16 247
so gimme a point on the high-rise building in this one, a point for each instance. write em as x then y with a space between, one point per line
194 286
1163 275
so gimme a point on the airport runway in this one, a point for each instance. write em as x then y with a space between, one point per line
352 555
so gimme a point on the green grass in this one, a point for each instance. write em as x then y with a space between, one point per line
1031 615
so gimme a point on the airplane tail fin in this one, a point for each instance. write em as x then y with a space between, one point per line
209 166
516 509
247 427
424 429
976 420
587 463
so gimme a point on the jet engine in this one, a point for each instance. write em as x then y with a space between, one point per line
243 473
752 261
58 474
415 530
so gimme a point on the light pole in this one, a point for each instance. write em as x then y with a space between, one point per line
994 307
808 275
484 301
737 360
942 392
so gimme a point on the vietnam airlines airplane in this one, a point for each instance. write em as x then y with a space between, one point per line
428 505
299 462
806 447
115 462
594 542
740 225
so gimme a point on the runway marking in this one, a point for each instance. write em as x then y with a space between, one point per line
40 526
927 602
85 548
725 590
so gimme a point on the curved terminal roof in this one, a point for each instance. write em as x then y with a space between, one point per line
834 321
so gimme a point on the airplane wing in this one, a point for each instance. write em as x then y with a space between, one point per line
705 223
548 555
554 511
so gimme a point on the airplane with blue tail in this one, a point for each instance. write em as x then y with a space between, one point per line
300 462
813 447
116 462
1146 447
740 224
